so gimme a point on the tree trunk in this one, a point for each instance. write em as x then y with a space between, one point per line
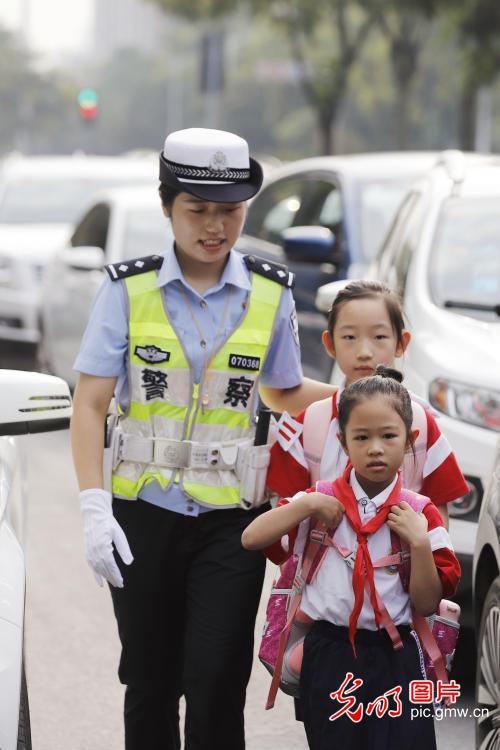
325 136
402 116
467 116
405 51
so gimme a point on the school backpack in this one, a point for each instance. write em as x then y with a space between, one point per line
316 425
286 626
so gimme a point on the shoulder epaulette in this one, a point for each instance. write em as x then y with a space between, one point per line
126 268
274 271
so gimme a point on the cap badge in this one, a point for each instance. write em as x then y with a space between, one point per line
218 162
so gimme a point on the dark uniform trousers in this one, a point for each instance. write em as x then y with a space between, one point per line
186 618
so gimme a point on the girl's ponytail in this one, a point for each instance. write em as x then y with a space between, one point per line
389 372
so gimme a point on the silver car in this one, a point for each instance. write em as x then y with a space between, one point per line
40 199
119 224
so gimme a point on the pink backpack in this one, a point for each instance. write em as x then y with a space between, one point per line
286 626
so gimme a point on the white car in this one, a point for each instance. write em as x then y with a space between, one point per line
120 224
486 582
324 218
40 199
29 402
442 254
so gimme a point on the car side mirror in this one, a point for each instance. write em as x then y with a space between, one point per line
83 258
311 245
326 294
33 402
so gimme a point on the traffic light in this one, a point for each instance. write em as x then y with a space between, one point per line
88 104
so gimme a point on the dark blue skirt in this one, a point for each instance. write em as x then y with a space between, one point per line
328 657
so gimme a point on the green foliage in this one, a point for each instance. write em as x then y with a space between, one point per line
34 106
195 10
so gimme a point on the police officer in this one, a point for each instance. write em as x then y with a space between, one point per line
184 340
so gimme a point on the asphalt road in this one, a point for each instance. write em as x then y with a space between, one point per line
71 643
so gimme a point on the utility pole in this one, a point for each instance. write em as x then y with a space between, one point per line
483 124
212 75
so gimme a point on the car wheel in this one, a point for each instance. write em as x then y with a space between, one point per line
24 726
488 671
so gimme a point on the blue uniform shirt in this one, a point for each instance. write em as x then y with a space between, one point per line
104 347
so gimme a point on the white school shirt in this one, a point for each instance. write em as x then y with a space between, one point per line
331 596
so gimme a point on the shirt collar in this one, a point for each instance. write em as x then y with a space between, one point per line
359 492
235 272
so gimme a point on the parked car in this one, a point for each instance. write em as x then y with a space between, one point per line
442 254
486 579
325 218
40 199
29 403
119 224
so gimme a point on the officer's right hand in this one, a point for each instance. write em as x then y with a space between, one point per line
326 508
102 531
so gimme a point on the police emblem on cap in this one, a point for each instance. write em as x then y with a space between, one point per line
151 353
218 162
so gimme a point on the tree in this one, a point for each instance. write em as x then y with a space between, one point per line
36 109
478 26
406 25
325 38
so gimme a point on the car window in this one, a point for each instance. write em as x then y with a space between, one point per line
145 231
322 205
378 201
305 201
465 256
93 228
410 238
274 209
394 239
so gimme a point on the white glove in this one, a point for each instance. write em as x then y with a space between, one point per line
101 532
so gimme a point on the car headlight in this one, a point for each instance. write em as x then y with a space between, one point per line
478 406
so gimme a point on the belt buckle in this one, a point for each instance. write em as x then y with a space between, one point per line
173 454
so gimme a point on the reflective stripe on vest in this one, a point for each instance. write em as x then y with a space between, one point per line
165 402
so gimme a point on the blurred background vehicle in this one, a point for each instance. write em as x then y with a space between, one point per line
442 254
18 417
325 218
119 224
40 199
486 579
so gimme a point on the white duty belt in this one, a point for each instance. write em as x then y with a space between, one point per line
177 454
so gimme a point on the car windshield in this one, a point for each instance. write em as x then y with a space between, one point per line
465 261
146 231
378 201
45 200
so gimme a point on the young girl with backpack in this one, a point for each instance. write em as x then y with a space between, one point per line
349 661
365 328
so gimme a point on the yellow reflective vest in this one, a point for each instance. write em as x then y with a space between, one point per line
166 420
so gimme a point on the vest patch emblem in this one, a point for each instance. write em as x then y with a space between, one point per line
238 389
155 383
239 362
151 354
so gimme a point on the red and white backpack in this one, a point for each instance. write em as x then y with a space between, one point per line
316 425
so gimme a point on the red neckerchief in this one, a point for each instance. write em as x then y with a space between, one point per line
363 565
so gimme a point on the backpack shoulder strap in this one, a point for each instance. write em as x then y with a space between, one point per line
418 503
317 420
